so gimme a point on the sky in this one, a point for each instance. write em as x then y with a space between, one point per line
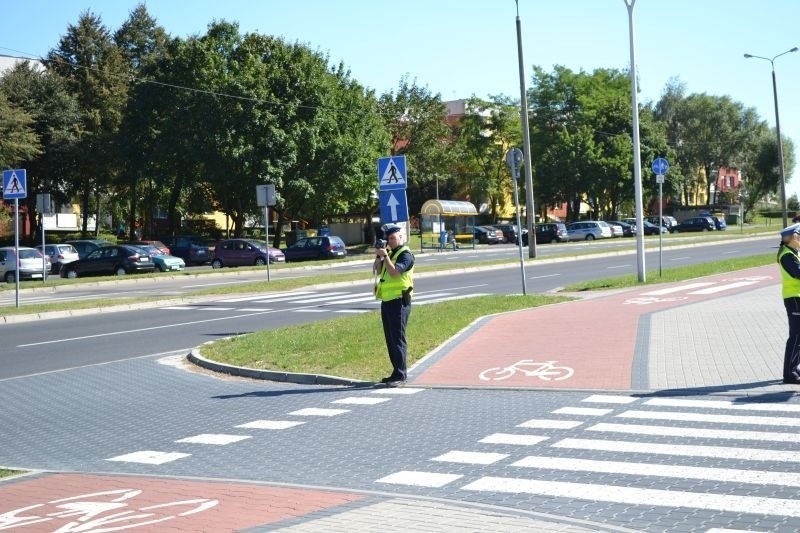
461 48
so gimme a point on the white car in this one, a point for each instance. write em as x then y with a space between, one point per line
59 254
31 264
588 230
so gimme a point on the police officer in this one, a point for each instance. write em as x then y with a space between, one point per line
394 266
789 262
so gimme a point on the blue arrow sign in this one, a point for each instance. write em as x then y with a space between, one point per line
660 166
394 206
14 184
392 173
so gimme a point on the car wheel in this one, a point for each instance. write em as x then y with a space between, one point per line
72 274
216 263
590 237
704 229
120 271
260 262
162 268
11 276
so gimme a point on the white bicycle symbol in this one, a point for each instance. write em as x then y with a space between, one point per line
104 511
546 371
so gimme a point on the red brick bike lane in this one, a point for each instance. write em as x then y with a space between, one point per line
584 344
80 502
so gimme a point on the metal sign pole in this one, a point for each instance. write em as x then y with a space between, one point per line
16 251
660 179
266 235
44 255
514 158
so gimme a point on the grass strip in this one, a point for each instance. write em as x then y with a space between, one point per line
353 346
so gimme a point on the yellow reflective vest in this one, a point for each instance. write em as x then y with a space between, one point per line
391 288
791 285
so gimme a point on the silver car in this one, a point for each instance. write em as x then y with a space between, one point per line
31 264
59 254
588 230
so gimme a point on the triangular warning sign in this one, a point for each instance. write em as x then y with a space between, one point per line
393 175
13 186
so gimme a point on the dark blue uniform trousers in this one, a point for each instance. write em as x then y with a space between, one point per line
394 315
791 357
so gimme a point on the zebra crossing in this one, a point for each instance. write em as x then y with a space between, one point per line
345 302
734 457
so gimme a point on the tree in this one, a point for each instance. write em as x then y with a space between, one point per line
96 74
142 42
55 118
416 121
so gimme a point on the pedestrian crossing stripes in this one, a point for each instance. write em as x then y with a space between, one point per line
315 302
671 452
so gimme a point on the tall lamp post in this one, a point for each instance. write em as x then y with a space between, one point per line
778 129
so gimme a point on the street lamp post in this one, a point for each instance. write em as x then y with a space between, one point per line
778 129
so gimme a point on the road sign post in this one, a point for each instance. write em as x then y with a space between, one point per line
265 197
514 158
660 167
15 185
392 183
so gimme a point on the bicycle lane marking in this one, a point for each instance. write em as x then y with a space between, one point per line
78 502
594 337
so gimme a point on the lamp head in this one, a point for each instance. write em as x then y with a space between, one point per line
794 49
748 56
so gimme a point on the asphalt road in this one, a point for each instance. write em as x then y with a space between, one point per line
38 346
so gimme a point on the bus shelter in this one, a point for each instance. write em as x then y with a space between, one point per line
445 223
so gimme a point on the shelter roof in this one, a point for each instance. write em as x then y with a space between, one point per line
448 207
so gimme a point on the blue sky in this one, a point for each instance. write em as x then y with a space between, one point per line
460 48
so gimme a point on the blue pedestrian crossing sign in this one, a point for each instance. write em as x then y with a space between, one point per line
14 184
392 173
394 206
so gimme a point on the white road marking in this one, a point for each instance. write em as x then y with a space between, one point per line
265 296
720 288
150 457
361 400
419 479
513 438
717 419
725 404
216 439
397 390
666 431
609 398
680 288
757 477
680 450
270 424
639 496
583 411
550 424
472 458
316 411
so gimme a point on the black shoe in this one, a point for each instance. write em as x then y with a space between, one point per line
396 383
388 379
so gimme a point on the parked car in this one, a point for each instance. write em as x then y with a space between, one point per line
87 246
329 247
719 223
29 262
484 235
667 221
695 224
588 231
616 231
191 248
548 232
244 252
118 259
163 262
627 228
59 254
652 229
510 232
158 244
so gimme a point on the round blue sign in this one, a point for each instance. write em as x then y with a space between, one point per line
660 166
